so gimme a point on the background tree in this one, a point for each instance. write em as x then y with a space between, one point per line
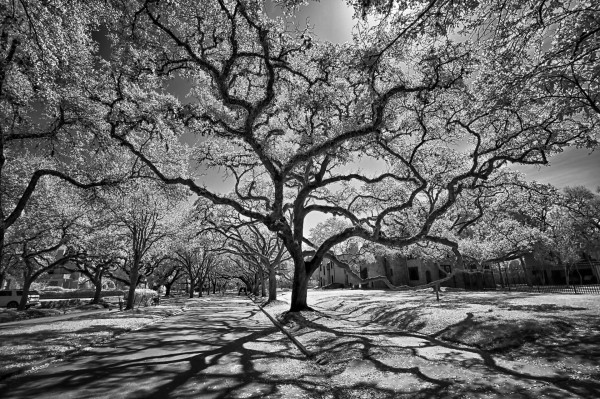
197 257
143 215
96 260
259 248
50 222
583 207
167 274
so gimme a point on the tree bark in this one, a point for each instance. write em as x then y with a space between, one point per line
255 288
299 288
98 286
133 281
263 288
26 286
272 284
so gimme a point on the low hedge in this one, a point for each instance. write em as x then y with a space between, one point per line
71 294
143 297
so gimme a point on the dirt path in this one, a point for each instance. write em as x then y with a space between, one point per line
220 347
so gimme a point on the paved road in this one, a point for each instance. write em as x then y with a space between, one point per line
219 347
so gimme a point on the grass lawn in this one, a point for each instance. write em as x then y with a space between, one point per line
23 346
490 344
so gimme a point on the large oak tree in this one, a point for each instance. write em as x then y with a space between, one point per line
436 96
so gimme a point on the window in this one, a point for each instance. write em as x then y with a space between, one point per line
413 273
5 293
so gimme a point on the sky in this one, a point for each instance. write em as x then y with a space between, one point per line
332 20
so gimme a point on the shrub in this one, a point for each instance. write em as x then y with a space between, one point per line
60 304
143 297
72 294
52 288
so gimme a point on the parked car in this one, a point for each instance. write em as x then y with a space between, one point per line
12 298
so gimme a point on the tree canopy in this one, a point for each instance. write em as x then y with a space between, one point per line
430 102
440 95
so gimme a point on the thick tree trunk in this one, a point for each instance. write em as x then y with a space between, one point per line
272 284
98 285
255 287
192 288
263 288
133 280
168 289
26 285
299 288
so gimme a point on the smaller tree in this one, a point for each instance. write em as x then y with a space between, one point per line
50 222
143 215
261 250
167 274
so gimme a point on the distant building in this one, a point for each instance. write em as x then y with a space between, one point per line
411 272
329 273
398 270
61 276
541 272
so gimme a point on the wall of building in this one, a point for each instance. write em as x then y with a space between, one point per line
331 274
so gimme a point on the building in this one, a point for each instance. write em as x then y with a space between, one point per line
400 271
331 274
405 271
63 276
542 272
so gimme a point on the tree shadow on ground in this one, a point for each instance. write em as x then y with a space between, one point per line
205 354
494 374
